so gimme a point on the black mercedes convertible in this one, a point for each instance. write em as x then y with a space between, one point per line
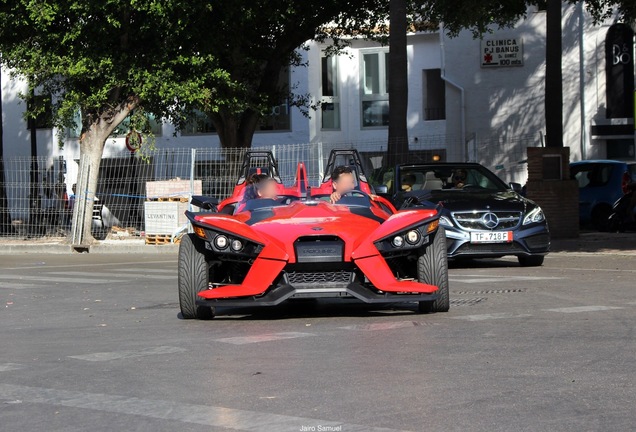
483 216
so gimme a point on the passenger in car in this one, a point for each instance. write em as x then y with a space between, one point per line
459 178
258 186
408 180
342 180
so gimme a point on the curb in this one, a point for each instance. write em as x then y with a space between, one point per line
117 247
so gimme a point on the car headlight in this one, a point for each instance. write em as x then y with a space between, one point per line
221 241
398 241
444 221
412 237
236 245
535 216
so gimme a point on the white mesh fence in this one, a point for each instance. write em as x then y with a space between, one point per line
39 196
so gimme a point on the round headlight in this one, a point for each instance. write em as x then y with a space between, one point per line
398 241
236 245
412 237
221 242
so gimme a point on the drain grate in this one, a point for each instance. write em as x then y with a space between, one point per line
495 291
467 301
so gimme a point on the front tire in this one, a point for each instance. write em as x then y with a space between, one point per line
194 277
432 269
531 260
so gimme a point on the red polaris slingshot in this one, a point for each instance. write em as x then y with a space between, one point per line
301 246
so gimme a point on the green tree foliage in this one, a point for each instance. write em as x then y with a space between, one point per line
107 59
256 42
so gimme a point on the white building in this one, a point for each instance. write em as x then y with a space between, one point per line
460 102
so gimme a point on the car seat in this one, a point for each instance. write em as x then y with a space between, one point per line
431 182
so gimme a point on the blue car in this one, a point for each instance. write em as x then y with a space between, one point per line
601 184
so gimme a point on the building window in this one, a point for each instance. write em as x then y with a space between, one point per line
435 95
278 119
153 126
330 99
198 123
43 107
375 88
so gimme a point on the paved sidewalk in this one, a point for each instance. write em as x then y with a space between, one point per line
588 242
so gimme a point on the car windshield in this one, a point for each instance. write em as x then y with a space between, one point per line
449 177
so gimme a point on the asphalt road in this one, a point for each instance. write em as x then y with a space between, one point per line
94 342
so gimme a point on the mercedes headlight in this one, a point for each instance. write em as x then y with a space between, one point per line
535 216
444 221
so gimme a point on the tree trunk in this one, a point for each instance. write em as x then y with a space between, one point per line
236 130
91 150
398 145
553 76
5 215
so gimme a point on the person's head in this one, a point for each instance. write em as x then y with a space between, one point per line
459 177
408 180
342 179
263 185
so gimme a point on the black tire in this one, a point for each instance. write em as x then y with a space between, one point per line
432 268
193 278
531 260
600 217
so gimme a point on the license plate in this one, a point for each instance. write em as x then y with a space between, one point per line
491 237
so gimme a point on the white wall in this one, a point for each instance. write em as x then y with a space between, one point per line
501 103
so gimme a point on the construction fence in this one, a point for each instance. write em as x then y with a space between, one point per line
134 191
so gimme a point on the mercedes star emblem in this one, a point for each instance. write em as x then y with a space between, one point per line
490 220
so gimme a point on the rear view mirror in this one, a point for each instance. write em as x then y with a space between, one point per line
381 189
203 202
516 187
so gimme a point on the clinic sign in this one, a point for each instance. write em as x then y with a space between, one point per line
501 52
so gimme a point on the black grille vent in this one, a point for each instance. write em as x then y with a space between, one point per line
319 278
475 221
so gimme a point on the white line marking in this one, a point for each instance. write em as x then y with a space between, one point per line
10 366
116 355
213 416
578 309
473 279
382 326
44 266
579 269
483 317
117 275
59 279
242 340
147 270
9 285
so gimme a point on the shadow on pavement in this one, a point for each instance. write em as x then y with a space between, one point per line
602 242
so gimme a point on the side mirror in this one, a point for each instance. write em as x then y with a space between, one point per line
381 189
203 202
516 187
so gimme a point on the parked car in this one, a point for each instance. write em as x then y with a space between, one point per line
601 184
482 215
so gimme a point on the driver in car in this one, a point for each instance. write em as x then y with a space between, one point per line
459 178
342 180
259 186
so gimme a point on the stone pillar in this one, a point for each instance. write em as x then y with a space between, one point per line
550 186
